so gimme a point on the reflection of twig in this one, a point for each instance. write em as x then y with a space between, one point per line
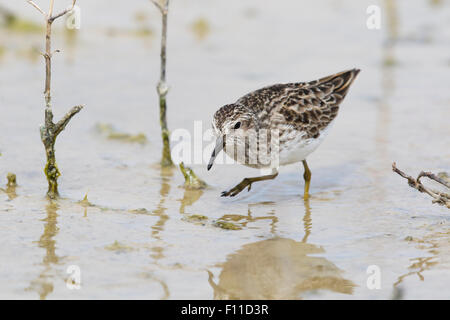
44 283
418 266
248 218
439 197
10 186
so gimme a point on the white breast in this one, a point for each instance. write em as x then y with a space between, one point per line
298 148
292 148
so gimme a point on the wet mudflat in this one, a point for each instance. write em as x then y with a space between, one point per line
141 235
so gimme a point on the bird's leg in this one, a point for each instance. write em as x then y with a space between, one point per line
246 182
307 177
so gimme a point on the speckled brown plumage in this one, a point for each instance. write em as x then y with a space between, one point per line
293 116
306 106
299 111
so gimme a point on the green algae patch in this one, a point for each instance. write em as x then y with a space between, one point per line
197 217
117 246
139 211
389 62
191 181
12 180
16 24
2 53
143 29
227 225
109 132
144 32
12 22
85 202
139 138
25 26
201 28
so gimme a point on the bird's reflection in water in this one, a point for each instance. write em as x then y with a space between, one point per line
243 221
278 268
43 284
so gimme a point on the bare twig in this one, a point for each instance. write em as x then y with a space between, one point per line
37 7
50 17
61 124
433 177
50 10
159 6
438 197
162 87
53 18
50 130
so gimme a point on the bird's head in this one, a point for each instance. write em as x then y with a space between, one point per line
232 123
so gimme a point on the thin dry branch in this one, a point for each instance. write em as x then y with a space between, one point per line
61 124
62 13
37 7
50 10
49 17
438 197
160 7
50 130
162 87
433 177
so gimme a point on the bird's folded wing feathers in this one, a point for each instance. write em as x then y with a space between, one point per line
306 106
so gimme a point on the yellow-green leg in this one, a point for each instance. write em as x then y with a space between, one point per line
247 182
307 177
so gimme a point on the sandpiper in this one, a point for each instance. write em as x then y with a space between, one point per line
298 114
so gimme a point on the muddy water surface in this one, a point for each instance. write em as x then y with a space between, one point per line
141 235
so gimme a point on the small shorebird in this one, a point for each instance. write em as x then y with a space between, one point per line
298 115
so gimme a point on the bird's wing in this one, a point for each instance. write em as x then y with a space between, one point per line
306 106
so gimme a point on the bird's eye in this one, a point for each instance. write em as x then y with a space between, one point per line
237 125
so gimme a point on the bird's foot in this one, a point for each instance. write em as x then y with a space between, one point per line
238 188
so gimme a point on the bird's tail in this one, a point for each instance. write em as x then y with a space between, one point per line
340 82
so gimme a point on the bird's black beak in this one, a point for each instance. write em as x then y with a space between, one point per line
217 149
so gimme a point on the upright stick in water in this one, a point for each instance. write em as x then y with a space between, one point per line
162 87
51 130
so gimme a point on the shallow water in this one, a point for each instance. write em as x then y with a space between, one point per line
140 236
